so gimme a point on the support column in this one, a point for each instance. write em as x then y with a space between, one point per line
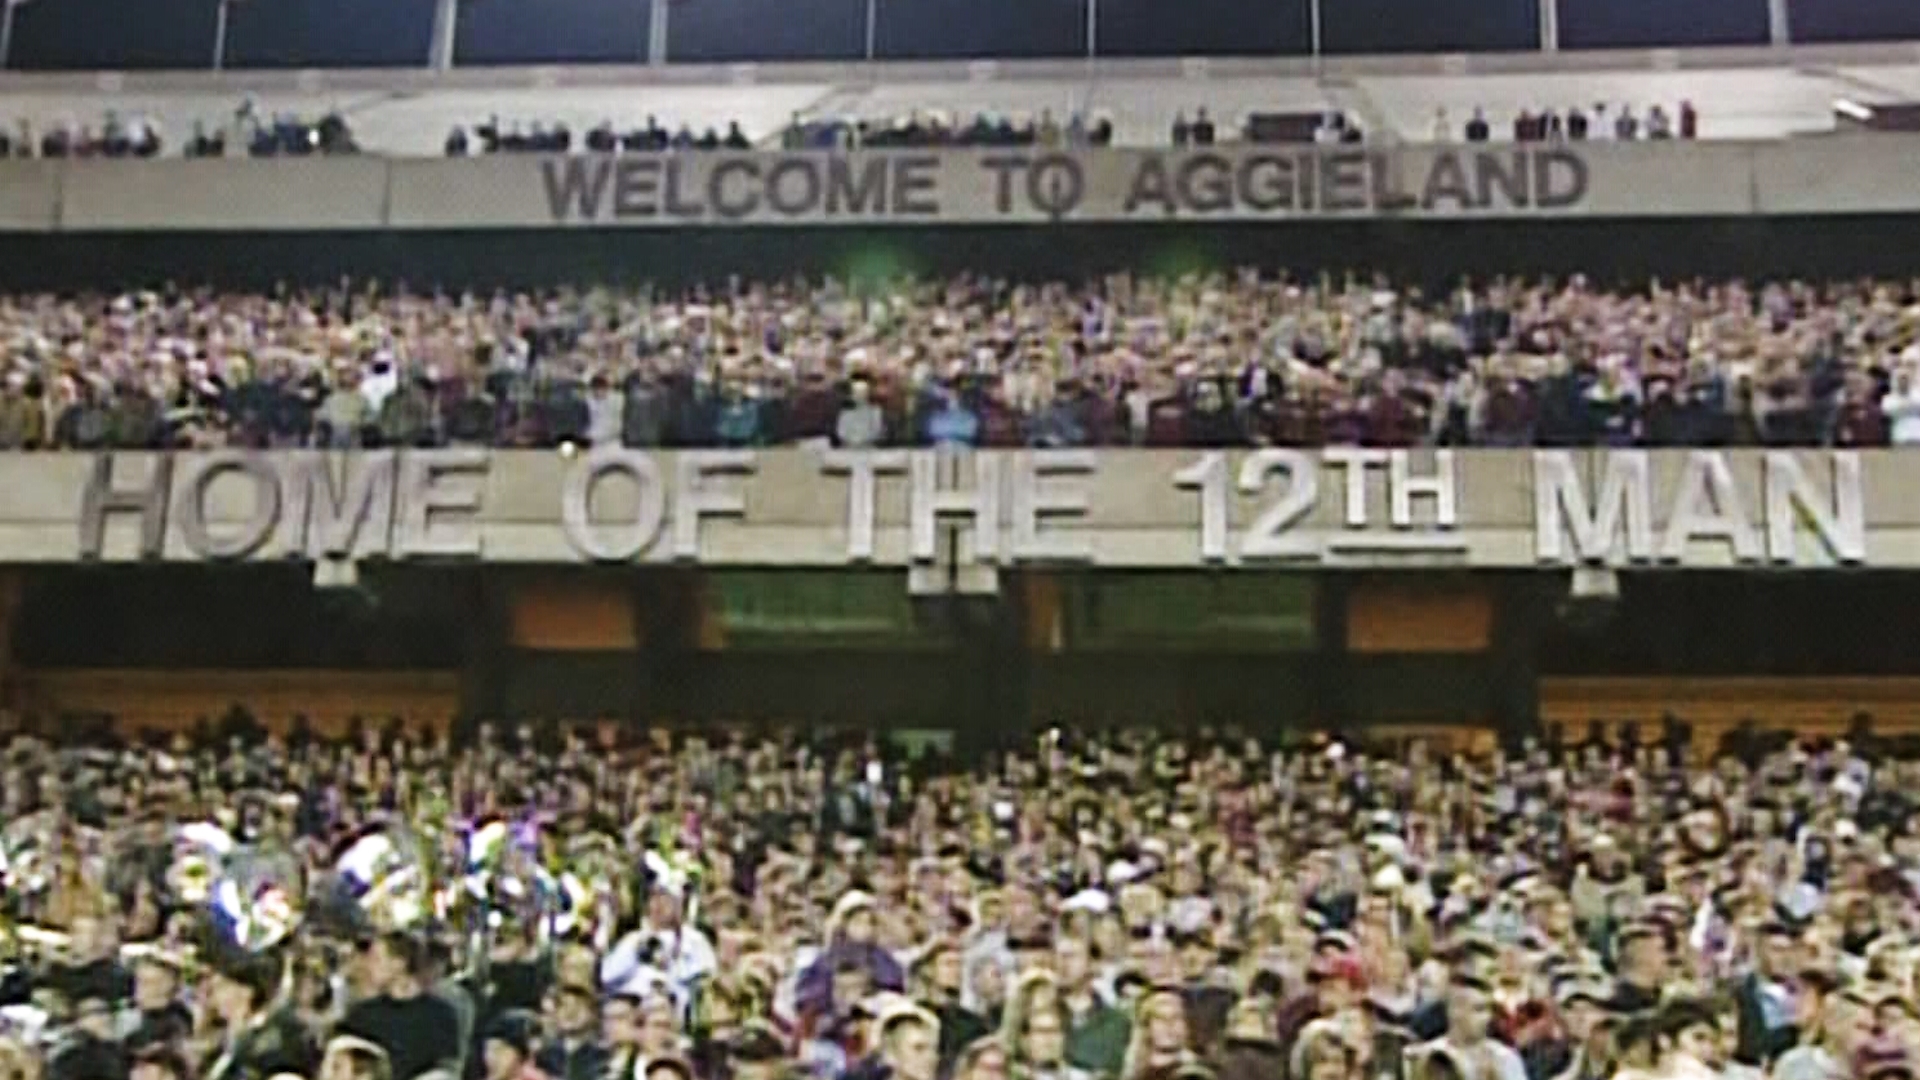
1550 25
674 629
657 31
1779 23
486 654
1521 616
12 588
1332 670
446 28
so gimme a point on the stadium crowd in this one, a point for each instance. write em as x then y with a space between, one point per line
561 904
1199 361
120 137
1576 124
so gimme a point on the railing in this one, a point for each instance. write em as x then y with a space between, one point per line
538 76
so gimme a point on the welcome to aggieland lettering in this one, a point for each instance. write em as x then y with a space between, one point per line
1358 181
961 187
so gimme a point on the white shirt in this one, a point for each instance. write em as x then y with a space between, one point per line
1808 1063
1505 1062
682 959
605 417
1903 417
377 386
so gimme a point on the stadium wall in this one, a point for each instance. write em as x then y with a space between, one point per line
1434 252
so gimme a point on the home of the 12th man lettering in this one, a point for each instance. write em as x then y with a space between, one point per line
1338 506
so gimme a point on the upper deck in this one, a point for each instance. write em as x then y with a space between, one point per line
1740 93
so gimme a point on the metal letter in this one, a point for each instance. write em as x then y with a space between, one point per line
330 516
1356 461
930 503
1034 499
1840 525
1707 505
253 534
100 498
1561 512
636 187
860 467
1272 535
916 186
576 504
1403 487
693 499
438 484
1208 476
1343 181
1560 179
1003 168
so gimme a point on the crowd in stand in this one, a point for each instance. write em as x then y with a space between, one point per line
289 134
279 135
933 130
494 137
567 905
936 131
115 137
134 136
1198 361
915 130
1575 125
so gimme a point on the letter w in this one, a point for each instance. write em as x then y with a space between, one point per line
575 186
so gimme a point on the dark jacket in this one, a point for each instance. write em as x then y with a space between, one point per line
1251 1059
581 1061
279 1045
1758 1044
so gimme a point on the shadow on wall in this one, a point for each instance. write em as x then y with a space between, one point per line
1609 250
178 701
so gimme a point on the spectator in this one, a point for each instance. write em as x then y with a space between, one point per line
950 422
345 414
1478 130
1823 1050
23 418
508 1048
571 1049
1203 132
1626 127
1902 408
860 423
908 1040
206 144
417 1032
738 416
407 416
1049 133
1060 424
1659 126
606 412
